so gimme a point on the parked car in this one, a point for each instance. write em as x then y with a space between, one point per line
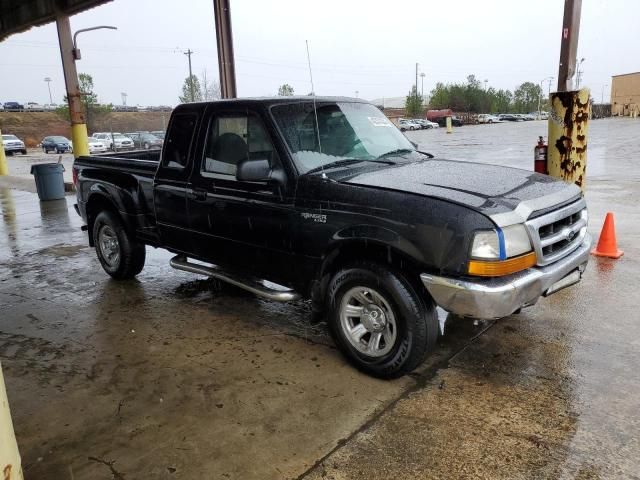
527 117
487 118
374 232
510 117
49 107
97 146
34 107
13 144
426 124
159 133
408 125
145 140
120 141
13 107
1 107
56 143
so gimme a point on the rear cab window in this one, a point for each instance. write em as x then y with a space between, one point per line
177 146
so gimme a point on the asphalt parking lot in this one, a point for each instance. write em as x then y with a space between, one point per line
175 376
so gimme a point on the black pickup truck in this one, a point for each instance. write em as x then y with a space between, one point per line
325 199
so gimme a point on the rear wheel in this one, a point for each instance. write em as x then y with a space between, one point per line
121 256
379 321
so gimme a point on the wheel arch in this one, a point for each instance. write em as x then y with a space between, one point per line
97 202
399 256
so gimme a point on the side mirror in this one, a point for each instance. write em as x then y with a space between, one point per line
258 171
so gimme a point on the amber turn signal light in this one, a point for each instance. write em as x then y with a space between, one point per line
501 267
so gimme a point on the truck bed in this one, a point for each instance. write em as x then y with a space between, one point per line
130 180
141 162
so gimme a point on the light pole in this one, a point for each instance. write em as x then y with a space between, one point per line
602 95
48 80
422 75
70 55
549 79
579 73
76 50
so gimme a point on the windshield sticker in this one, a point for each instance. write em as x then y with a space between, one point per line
380 122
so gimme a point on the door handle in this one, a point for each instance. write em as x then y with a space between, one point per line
198 194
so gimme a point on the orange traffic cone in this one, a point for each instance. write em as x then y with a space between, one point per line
607 245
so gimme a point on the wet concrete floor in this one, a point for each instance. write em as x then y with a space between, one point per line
174 376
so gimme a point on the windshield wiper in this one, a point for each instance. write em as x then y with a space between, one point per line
397 151
347 161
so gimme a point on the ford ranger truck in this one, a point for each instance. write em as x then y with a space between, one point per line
327 200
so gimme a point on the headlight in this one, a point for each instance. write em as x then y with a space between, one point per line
501 244
516 240
486 244
501 251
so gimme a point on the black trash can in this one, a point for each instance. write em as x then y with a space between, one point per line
49 180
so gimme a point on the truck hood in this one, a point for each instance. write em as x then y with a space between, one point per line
493 190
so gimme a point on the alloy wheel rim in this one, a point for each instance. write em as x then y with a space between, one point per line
109 246
368 322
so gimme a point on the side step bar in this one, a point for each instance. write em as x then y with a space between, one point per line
257 287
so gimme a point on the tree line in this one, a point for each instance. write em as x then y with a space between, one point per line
472 97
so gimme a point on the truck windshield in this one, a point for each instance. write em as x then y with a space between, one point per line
345 130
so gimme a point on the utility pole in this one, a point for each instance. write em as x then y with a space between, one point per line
188 53
224 37
569 43
48 80
422 75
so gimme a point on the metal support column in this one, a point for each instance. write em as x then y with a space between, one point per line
570 110
78 122
224 37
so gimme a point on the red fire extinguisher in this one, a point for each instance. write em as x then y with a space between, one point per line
540 157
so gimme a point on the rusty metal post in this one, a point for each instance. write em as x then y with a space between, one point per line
568 128
10 463
79 136
4 169
224 37
569 44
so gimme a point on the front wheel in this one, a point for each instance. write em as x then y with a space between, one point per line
379 321
121 256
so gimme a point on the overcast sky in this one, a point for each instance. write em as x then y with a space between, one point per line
356 45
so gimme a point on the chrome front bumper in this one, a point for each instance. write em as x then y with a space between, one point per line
498 297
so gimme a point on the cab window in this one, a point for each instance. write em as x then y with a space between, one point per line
232 138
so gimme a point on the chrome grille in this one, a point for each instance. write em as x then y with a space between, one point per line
558 233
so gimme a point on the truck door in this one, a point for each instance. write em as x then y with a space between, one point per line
170 183
240 224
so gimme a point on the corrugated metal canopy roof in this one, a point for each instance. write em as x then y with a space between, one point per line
20 15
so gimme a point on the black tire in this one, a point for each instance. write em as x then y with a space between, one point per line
131 254
414 317
24 152
45 150
402 129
